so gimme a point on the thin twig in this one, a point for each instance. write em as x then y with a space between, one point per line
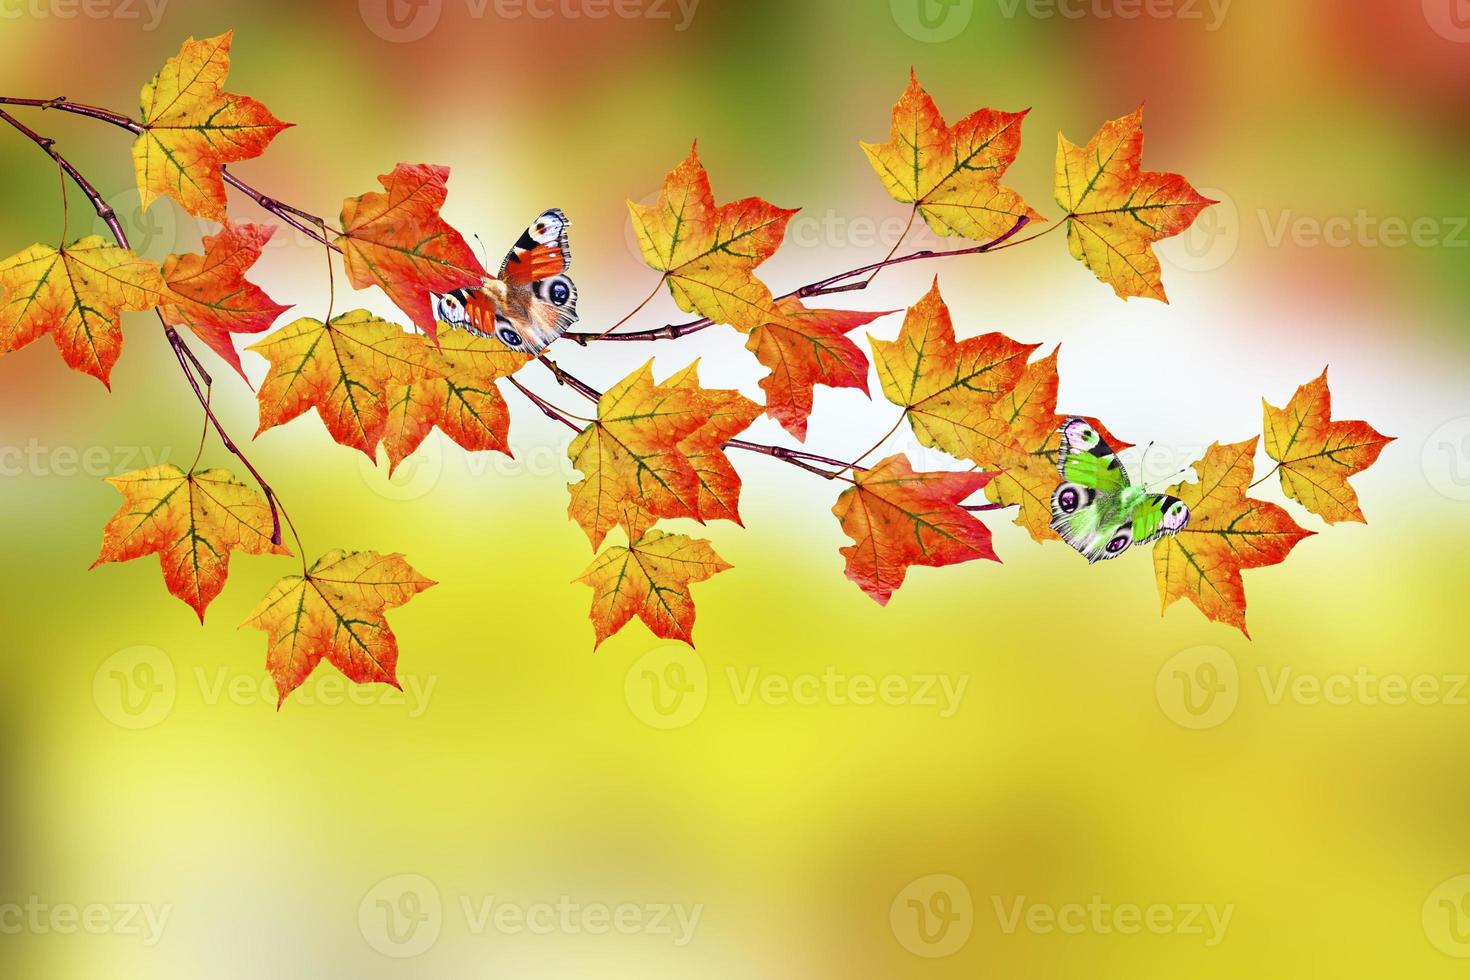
181 349
822 287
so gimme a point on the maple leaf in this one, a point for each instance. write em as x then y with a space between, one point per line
1020 442
192 127
1317 455
952 175
457 393
946 387
342 369
210 295
1116 211
805 348
336 610
898 518
654 452
1227 532
726 414
396 240
191 521
706 253
77 294
649 579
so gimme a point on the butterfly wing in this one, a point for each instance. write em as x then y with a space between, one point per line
1085 458
1088 509
532 301
1157 515
541 301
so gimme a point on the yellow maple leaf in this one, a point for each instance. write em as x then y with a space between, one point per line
192 127
336 611
1116 210
191 521
650 579
342 369
1317 455
707 254
77 294
951 175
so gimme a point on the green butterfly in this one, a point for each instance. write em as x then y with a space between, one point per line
1097 509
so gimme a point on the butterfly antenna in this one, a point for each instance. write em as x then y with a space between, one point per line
484 256
1168 479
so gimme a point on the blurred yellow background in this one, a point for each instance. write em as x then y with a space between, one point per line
1135 797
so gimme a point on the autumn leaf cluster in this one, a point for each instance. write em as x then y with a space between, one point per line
648 449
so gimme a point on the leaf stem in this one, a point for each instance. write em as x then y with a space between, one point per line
1269 473
637 309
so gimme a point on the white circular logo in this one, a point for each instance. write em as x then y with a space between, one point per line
1446 459
401 21
932 21
1449 18
667 687
1211 240
933 916
401 916
1446 917
135 688
412 478
1198 687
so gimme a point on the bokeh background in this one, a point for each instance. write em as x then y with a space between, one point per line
1051 745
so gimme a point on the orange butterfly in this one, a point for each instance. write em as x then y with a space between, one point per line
531 301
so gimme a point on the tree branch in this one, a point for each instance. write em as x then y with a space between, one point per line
822 287
181 350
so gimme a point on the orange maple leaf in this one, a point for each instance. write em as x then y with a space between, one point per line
652 453
951 175
1227 532
191 521
210 295
947 386
77 294
336 610
1317 455
707 254
898 518
805 348
650 579
457 393
343 369
1116 210
1020 441
192 127
398 241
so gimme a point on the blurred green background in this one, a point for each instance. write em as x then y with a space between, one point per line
1023 802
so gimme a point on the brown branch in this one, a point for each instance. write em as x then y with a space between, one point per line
822 287
181 350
